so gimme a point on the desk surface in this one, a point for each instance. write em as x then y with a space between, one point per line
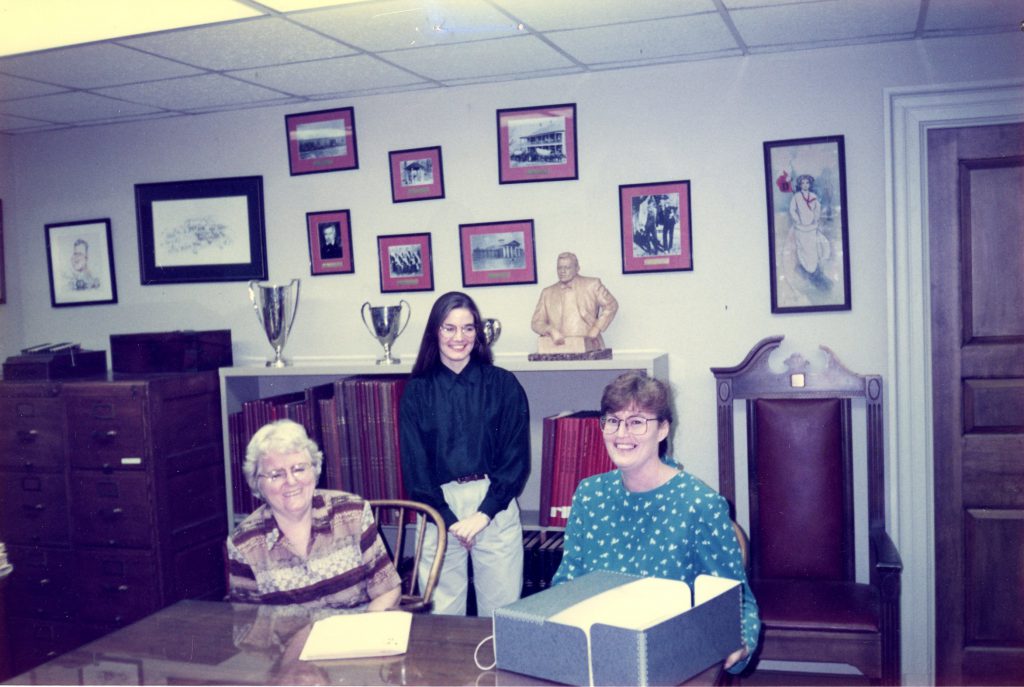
214 643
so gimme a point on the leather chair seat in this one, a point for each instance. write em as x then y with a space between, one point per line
806 604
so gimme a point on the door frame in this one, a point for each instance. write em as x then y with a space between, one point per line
909 114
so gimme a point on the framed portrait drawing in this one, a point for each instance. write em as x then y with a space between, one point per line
498 253
537 144
416 174
330 242
655 227
202 230
406 263
3 278
80 260
808 234
322 141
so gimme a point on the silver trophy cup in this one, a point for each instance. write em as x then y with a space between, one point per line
275 307
386 326
492 330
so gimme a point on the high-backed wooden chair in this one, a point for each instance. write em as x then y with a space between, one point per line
800 471
399 512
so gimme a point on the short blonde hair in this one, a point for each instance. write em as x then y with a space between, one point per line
280 436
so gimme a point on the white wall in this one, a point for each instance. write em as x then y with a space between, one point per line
10 316
703 121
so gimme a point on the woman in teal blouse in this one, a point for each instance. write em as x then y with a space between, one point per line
648 517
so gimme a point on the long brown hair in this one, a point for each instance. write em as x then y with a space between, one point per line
430 351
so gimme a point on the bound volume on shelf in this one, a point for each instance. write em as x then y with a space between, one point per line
573 449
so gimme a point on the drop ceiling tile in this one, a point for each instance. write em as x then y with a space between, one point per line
240 45
649 40
545 15
92 66
948 15
11 123
820 22
397 24
193 92
12 87
72 107
340 75
481 59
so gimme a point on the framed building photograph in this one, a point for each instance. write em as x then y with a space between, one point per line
406 263
498 253
330 242
322 141
201 230
80 260
3 278
655 223
537 144
416 174
808 235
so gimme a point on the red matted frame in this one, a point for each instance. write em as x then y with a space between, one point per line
324 257
416 174
656 228
322 141
498 253
537 144
406 262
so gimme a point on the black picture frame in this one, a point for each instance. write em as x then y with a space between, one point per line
80 263
537 144
322 141
201 230
808 231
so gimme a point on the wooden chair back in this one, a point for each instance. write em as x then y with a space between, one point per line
409 520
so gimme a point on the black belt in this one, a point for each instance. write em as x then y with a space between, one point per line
470 478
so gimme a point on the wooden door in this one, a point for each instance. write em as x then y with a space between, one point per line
976 249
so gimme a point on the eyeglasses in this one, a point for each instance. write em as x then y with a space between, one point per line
635 425
300 471
450 330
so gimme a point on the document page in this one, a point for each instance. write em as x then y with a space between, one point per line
358 635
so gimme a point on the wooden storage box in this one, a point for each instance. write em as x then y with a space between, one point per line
180 351
62 365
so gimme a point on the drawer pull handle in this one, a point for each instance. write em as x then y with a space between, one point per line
111 513
104 437
115 588
33 508
27 436
43 582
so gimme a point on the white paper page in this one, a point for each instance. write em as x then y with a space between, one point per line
358 635
635 606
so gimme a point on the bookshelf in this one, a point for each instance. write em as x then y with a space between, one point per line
551 387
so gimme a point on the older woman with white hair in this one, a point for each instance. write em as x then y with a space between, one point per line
307 546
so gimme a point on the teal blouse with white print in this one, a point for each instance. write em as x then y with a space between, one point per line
676 531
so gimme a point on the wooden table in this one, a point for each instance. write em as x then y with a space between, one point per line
211 643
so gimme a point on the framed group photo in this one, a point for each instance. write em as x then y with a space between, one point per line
406 263
808 234
330 242
80 261
201 230
498 253
655 227
322 141
416 174
537 144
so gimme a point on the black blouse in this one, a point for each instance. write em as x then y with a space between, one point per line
453 425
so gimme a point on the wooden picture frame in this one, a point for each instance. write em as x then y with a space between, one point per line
322 141
808 233
406 262
656 227
537 144
201 230
329 233
416 174
498 253
80 263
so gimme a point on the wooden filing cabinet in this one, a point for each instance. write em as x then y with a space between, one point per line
111 503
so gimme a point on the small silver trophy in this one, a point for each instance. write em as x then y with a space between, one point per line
386 326
492 330
275 307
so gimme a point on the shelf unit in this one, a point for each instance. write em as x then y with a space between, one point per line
551 387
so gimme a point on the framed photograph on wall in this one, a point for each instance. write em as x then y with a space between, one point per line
537 144
416 174
655 223
322 141
3 278
330 242
80 260
202 230
808 235
406 263
498 253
